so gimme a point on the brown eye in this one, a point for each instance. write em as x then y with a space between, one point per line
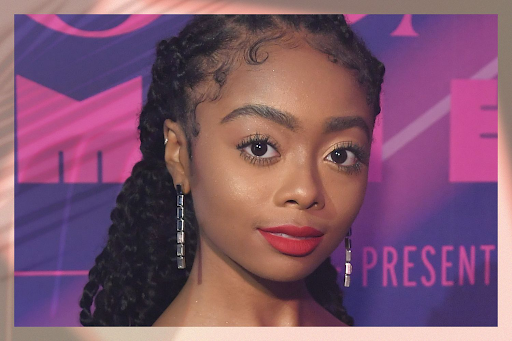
342 157
259 148
339 156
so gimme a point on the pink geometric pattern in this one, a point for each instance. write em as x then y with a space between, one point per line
474 131
132 23
49 122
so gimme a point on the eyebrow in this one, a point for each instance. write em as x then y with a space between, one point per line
345 122
287 120
275 115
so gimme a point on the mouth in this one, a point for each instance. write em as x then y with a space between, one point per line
292 240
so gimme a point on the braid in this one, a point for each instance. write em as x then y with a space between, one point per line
135 278
322 285
128 269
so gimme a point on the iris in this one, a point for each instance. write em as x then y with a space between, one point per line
339 156
259 148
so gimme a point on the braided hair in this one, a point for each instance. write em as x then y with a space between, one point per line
135 278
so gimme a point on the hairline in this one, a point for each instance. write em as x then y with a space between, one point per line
236 60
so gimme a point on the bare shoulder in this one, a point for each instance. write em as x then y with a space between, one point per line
320 317
334 322
171 317
167 319
329 320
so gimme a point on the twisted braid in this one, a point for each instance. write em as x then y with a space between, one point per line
322 285
135 277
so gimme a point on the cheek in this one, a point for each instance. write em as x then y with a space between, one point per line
357 190
223 196
346 199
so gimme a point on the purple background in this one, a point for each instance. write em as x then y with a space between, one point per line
63 226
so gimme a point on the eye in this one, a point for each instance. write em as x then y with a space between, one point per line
260 149
348 157
342 157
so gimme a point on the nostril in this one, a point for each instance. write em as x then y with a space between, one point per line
296 203
293 202
315 204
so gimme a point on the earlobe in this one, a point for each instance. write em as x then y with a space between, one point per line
176 154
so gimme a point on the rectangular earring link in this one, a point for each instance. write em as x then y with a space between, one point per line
348 255
180 250
348 268
181 263
180 238
347 281
179 224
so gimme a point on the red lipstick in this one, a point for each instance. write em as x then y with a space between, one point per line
292 240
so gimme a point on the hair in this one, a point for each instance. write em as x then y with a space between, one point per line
135 277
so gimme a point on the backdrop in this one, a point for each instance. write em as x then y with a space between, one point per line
424 243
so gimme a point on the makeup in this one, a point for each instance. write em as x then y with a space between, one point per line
292 240
280 161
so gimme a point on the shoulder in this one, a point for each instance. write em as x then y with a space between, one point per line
329 320
320 317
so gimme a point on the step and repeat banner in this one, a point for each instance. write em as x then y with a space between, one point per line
425 242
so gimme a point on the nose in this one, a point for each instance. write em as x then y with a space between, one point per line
301 187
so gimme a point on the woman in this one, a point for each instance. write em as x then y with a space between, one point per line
267 124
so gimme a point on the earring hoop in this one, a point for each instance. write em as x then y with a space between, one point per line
180 228
348 258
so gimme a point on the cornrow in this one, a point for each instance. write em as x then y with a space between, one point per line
134 279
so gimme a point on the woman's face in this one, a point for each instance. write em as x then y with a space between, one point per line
280 166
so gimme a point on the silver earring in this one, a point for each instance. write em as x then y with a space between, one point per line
180 228
165 141
348 257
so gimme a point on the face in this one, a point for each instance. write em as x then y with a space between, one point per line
280 166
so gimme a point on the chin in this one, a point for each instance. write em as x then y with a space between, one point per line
287 272
291 277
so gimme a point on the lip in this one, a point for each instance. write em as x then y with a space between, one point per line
299 241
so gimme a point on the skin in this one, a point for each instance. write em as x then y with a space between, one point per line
238 278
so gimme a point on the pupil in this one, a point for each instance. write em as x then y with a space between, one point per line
339 156
259 149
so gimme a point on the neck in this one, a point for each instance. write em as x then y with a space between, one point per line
221 292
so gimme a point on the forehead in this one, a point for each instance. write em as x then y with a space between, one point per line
299 80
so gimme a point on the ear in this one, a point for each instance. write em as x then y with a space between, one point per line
176 155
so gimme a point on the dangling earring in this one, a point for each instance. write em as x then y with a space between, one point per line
348 258
180 228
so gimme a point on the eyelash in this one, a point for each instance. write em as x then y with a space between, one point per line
361 155
258 138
